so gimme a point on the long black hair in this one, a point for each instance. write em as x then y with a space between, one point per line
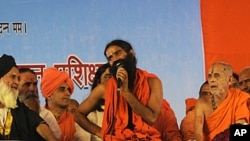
98 74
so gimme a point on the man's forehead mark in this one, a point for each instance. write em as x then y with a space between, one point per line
212 69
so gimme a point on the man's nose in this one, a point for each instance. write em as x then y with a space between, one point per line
16 81
115 58
32 88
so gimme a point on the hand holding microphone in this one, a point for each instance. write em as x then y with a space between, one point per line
119 81
119 71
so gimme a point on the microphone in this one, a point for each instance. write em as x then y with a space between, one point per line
119 81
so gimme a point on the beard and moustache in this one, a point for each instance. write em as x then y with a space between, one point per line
129 64
31 100
8 96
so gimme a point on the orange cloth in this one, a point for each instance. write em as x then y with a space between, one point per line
233 108
226 32
165 105
67 126
187 126
167 124
141 129
248 105
190 102
52 79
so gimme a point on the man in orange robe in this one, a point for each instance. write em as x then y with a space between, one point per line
57 88
187 124
228 106
133 99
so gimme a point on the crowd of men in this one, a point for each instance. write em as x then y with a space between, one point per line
125 103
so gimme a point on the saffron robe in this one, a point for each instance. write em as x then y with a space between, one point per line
116 112
167 125
67 126
187 126
233 108
187 123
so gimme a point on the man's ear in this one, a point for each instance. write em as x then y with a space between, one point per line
230 80
131 52
49 97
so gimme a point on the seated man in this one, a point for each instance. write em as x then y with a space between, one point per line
17 122
28 94
228 105
133 99
244 80
187 124
101 76
28 90
57 88
80 135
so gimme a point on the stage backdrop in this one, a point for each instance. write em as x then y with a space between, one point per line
71 35
226 32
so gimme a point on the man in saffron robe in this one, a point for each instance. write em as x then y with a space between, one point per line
17 122
57 88
228 106
133 99
187 123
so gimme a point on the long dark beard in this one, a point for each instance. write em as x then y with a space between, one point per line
129 64
26 96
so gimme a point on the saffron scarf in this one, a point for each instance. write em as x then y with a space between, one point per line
233 108
67 126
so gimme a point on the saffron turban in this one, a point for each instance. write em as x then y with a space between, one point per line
6 63
52 79
190 102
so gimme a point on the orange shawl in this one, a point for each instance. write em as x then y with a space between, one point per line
233 108
120 131
187 126
190 102
167 124
67 126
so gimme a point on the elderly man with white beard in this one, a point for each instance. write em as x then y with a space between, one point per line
17 122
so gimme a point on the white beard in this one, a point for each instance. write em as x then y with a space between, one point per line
8 97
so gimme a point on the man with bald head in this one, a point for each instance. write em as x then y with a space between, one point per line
244 79
227 106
